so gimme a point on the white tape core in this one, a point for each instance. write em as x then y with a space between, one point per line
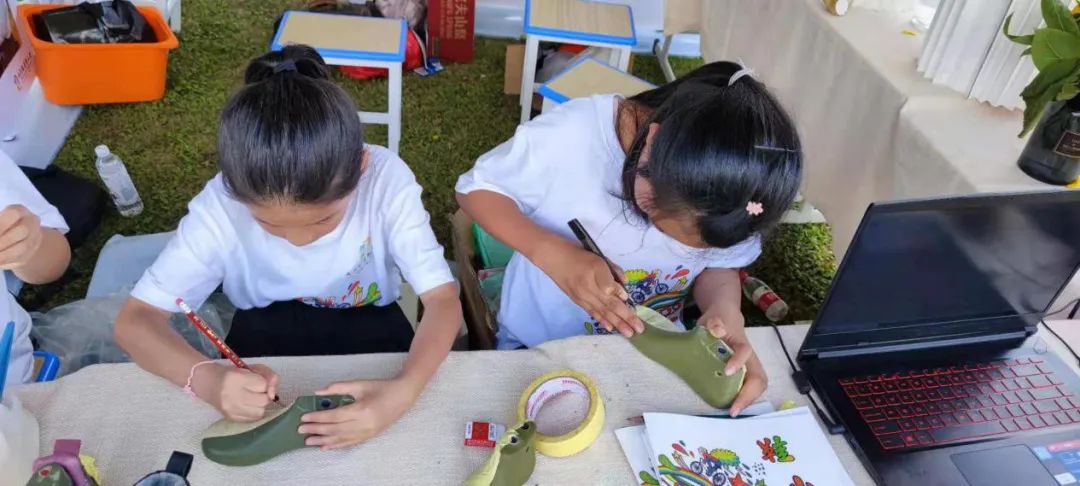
558 406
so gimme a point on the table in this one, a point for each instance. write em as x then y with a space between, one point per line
869 122
349 40
131 421
588 77
579 22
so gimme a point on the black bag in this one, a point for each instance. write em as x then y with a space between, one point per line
81 202
114 21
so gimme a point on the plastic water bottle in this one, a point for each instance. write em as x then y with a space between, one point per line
763 297
114 174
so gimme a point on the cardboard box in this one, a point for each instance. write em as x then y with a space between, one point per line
450 30
515 58
478 317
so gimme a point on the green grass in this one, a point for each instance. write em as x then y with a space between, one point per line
448 120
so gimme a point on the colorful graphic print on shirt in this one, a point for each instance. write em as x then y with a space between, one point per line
662 291
356 293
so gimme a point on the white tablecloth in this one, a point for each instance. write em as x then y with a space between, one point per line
131 421
870 124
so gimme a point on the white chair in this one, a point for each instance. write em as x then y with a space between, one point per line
349 40
586 77
578 22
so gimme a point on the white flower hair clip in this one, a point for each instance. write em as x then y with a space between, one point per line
754 208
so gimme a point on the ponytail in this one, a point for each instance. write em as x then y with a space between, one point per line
290 134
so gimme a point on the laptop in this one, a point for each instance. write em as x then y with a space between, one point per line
920 349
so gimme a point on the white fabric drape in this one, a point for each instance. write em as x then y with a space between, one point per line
873 129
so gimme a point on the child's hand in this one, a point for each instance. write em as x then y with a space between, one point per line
379 403
20 236
742 354
588 281
240 395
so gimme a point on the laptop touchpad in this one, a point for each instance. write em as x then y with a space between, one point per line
1004 465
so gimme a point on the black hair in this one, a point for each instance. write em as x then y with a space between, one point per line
718 148
290 134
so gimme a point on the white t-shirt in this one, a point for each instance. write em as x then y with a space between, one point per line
568 164
15 188
384 235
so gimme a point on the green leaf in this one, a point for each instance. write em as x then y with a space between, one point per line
1070 86
1052 45
1019 39
1068 91
1057 17
1046 87
1054 74
1027 52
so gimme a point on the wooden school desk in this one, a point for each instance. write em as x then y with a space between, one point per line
349 40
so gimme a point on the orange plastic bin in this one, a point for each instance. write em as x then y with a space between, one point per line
83 74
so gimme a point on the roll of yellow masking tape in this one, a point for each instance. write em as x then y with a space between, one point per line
553 384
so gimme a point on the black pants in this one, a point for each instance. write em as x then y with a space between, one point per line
293 328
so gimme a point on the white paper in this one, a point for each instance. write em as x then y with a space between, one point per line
19 438
635 442
784 448
635 446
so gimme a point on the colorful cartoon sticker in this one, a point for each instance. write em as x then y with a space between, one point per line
775 450
718 467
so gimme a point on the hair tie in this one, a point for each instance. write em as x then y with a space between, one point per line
743 71
286 65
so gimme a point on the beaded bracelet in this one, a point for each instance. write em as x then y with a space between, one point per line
191 374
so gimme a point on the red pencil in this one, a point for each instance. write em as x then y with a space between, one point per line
219 343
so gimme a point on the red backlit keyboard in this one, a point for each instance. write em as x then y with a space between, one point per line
961 403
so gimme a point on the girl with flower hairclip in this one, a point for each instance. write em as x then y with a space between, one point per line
676 185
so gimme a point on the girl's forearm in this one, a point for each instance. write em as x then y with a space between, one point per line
143 332
500 217
434 336
49 261
720 287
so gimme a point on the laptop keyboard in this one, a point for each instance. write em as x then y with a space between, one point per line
934 406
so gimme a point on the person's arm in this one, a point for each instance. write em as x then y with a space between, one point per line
436 332
718 293
49 261
36 254
143 332
584 277
500 217
191 267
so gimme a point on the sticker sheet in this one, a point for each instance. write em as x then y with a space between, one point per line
784 449
634 441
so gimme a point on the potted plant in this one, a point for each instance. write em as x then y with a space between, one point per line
1052 112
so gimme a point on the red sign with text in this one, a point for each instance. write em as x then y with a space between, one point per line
450 29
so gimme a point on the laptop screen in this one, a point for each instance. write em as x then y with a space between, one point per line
929 269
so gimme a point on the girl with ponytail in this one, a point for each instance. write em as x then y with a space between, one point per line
309 232
677 185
